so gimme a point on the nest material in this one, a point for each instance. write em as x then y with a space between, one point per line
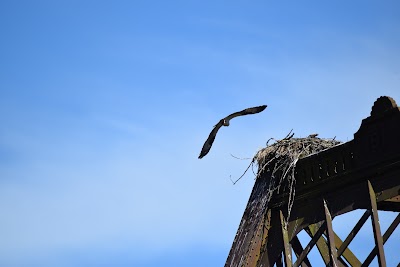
278 161
276 173
284 154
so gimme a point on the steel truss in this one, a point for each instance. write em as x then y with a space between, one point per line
363 173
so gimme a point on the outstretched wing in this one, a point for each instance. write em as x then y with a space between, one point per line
246 111
210 140
207 145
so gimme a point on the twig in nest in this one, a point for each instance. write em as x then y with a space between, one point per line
239 158
289 135
252 169
234 182
269 140
277 163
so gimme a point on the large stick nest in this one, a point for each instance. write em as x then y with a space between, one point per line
284 154
277 163
275 175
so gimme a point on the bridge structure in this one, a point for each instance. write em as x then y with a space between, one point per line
362 174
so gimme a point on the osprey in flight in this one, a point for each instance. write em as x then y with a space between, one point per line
225 122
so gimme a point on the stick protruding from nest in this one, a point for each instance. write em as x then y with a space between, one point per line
277 162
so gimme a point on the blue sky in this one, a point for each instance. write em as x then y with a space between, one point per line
104 106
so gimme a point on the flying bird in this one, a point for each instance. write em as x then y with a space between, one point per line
225 122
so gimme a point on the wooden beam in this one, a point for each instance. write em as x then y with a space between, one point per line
347 254
273 247
310 245
279 262
331 237
298 248
386 236
321 243
354 232
287 250
376 227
